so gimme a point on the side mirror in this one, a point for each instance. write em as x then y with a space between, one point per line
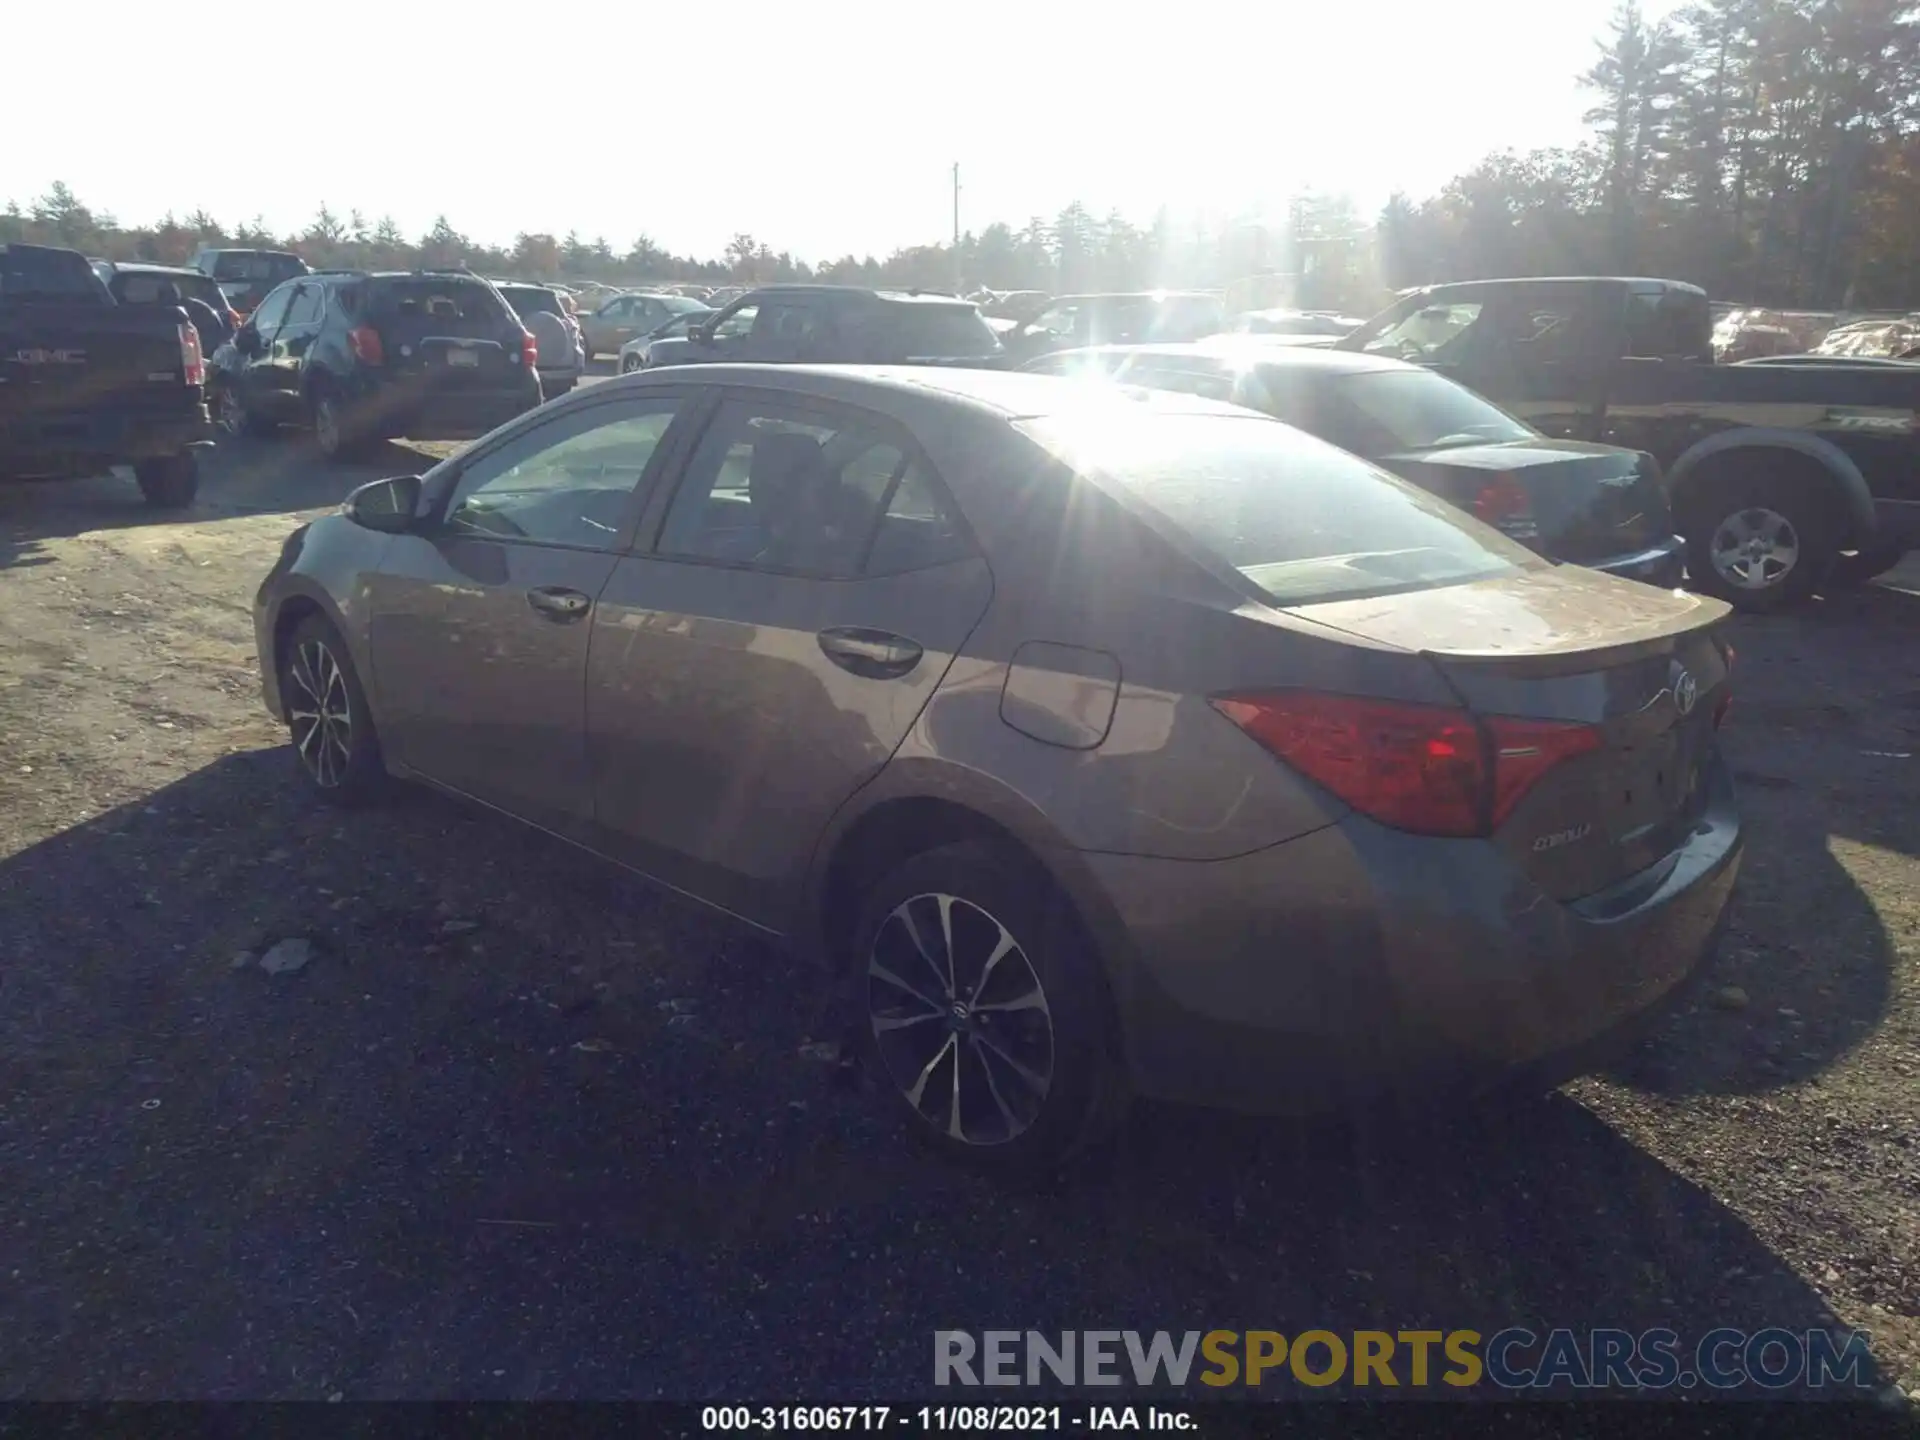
247 340
700 334
387 506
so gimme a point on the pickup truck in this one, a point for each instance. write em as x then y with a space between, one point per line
1783 478
86 384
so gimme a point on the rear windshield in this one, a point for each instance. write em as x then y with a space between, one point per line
940 332
253 265
141 287
443 305
30 274
1298 518
1418 410
532 300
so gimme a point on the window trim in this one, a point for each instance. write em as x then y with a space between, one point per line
646 543
688 419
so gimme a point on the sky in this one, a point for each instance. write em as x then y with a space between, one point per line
823 127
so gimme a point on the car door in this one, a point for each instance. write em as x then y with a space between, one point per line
606 322
808 588
479 624
784 331
255 377
287 351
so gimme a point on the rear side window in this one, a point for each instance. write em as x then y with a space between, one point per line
30 274
531 300
1296 517
943 332
809 491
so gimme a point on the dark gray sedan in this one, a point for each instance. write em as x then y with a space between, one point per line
1597 505
1094 741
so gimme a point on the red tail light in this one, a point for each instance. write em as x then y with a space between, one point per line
529 349
192 362
1428 769
1503 503
367 348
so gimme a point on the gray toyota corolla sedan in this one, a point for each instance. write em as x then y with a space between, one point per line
1097 741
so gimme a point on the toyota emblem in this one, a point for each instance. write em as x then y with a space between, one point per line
1686 692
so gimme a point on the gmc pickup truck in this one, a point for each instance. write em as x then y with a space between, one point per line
1783 478
86 384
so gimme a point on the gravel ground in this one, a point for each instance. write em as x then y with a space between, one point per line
521 1127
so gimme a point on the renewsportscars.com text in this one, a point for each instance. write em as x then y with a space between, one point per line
1511 1359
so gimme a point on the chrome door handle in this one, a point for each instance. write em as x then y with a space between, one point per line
559 604
870 654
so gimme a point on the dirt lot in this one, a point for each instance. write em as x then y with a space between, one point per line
523 1128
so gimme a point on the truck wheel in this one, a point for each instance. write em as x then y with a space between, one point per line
1850 572
171 481
1759 542
334 429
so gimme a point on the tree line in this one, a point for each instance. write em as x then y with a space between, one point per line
1765 149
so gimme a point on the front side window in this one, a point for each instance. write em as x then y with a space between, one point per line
569 482
815 492
739 323
305 309
1062 322
1295 516
273 310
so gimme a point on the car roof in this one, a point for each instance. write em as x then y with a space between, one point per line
1258 350
143 267
861 292
1006 394
1139 295
1557 280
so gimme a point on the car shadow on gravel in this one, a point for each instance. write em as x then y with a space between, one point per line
522 1128
1824 742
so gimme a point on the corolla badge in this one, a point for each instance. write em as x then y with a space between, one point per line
1686 691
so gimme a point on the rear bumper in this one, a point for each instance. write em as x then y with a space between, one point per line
420 413
82 441
1661 565
1358 961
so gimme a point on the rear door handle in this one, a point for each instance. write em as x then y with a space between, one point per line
870 654
558 604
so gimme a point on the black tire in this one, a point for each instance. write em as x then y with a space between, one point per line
560 387
341 770
1850 572
1734 503
338 432
629 364
234 416
171 481
1007 1125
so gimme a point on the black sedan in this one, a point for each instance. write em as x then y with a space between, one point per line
1594 505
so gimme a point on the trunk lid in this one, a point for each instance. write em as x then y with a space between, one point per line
1642 667
75 358
1584 503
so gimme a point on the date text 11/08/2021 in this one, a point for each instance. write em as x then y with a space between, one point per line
938 1418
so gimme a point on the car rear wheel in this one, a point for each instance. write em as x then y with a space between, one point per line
169 482
1758 542
986 1011
327 716
629 364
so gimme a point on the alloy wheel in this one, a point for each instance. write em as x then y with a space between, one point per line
320 714
1755 548
326 425
960 1019
233 413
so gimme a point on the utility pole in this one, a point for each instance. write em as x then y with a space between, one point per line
959 277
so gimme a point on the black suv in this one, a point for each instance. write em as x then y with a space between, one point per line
837 324
364 357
